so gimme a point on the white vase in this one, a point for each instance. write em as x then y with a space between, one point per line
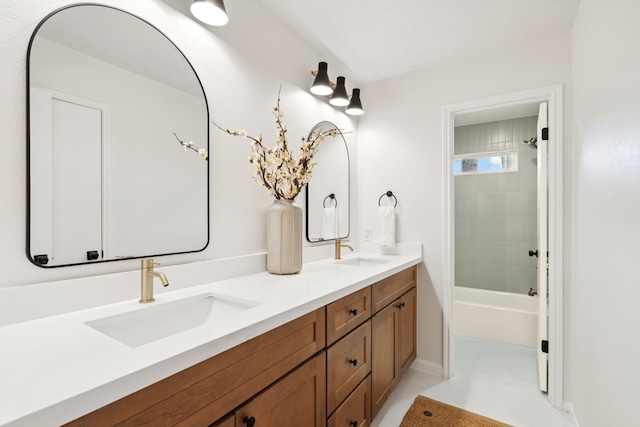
284 237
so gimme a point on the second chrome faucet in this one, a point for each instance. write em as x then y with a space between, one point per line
146 280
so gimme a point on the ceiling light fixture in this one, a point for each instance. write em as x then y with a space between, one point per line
210 12
336 92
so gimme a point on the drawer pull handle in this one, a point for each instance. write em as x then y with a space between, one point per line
353 311
354 362
249 421
353 423
400 305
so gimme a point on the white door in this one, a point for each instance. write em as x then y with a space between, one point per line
543 328
77 181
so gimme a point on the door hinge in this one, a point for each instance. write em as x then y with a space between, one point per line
545 346
545 134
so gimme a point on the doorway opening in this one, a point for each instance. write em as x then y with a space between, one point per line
521 104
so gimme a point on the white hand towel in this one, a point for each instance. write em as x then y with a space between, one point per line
329 223
387 226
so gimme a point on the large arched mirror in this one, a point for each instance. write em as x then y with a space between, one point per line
328 201
107 177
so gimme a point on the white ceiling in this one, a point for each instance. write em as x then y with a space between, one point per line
378 39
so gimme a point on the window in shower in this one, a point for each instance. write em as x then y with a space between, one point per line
503 161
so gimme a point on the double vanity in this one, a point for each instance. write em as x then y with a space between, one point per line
339 332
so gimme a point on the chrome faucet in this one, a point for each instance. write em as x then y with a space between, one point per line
146 282
340 245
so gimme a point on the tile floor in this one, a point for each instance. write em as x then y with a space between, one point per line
494 379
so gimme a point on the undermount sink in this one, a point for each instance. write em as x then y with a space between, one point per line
160 320
363 262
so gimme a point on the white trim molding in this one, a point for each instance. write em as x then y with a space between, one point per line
552 95
568 408
424 366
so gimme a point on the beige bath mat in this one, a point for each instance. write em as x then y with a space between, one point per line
428 412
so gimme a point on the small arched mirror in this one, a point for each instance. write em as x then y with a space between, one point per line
328 201
108 179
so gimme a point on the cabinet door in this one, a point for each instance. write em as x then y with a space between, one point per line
384 356
393 346
406 329
296 400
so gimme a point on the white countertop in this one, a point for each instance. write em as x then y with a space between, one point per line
56 369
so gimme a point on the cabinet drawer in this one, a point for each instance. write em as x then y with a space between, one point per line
207 391
346 314
296 400
348 363
387 290
356 410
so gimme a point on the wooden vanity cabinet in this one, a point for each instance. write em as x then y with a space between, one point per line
394 335
296 400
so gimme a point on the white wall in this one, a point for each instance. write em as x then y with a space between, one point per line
606 215
241 92
400 148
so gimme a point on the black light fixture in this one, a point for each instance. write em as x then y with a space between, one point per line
337 93
339 98
321 85
355 105
210 12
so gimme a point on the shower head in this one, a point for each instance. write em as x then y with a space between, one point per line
532 143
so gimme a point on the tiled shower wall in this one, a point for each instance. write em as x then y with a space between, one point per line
495 213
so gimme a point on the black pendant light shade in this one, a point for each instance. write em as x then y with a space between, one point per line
321 84
339 97
355 105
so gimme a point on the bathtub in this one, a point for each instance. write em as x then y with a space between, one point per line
499 316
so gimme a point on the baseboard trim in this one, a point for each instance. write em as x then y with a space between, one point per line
427 367
568 407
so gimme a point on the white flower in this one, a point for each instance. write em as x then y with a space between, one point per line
276 169
202 152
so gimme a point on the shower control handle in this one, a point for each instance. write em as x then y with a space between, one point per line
532 253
